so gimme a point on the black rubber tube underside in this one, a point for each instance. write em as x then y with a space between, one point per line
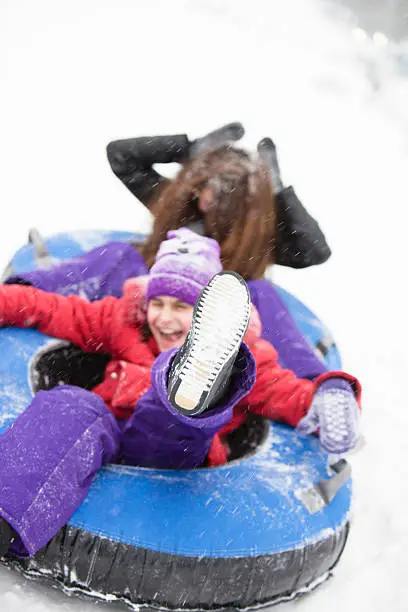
101 568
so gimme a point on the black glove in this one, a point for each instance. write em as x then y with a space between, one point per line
230 132
267 152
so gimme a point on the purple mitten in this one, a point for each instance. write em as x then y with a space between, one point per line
335 412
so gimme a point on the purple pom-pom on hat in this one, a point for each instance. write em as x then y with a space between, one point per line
185 262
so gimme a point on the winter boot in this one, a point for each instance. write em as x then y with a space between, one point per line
200 372
7 537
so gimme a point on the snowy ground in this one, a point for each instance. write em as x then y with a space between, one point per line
82 72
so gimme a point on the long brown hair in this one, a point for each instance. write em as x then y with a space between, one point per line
242 218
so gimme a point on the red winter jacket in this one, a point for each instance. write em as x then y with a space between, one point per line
105 327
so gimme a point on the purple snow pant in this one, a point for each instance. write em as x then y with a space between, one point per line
50 454
280 329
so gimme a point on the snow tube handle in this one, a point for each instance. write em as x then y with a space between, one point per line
42 255
320 495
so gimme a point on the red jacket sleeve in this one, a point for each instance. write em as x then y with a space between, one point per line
277 393
87 324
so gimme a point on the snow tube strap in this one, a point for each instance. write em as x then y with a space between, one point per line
317 497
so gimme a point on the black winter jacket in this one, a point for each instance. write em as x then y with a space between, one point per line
300 243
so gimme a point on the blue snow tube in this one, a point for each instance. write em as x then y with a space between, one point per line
267 526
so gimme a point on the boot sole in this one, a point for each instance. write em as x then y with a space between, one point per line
220 321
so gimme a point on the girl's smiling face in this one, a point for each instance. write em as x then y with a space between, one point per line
169 320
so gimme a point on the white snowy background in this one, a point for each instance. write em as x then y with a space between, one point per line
76 74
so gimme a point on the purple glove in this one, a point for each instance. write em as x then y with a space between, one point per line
335 412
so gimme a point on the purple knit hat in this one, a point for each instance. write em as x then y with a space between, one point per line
185 262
